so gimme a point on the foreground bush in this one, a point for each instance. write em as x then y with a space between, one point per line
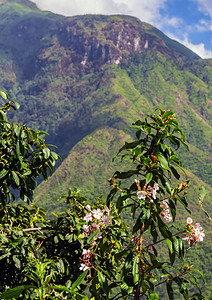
88 252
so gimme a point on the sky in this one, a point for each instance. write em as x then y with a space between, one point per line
187 21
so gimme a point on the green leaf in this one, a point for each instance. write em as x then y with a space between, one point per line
46 153
174 141
18 149
17 262
123 175
153 296
175 173
124 286
3 173
79 280
135 270
181 248
172 257
184 144
59 288
4 95
168 187
176 244
169 243
163 161
15 177
170 289
130 145
203 193
65 289
16 104
197 271
128 260
167 114
15 292
92 236
3 116
175 159
17 129
149 177
101 277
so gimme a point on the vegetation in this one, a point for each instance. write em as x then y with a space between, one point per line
88 251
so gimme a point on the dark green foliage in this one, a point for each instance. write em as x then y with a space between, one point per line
24 157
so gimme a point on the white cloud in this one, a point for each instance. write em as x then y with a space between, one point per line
170 22
146 10
196 48
205 6
204 25
79 7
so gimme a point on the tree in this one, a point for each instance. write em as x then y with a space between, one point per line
88 251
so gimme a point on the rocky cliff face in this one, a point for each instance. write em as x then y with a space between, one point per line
79 44
89 42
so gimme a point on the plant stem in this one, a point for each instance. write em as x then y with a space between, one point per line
137 288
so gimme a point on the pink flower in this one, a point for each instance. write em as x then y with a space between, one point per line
84 267
86 230
88 207
97 213
141 195
154 190
166 211
85 260
106 209
156 186
95 226
189 221
106 220
195 234
86 253
88 217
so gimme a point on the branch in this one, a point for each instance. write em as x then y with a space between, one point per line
33 229
164 239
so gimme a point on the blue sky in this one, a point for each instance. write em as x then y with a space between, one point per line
187 21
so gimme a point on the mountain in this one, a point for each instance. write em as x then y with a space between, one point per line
84 79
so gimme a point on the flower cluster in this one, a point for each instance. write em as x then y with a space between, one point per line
96 219
151 193
147 191
194 233
85 260
166 211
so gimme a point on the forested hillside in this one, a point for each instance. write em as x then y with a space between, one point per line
85 79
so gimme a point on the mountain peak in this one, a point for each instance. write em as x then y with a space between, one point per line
94 40
25 3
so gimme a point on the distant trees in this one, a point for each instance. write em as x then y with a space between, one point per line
88 252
